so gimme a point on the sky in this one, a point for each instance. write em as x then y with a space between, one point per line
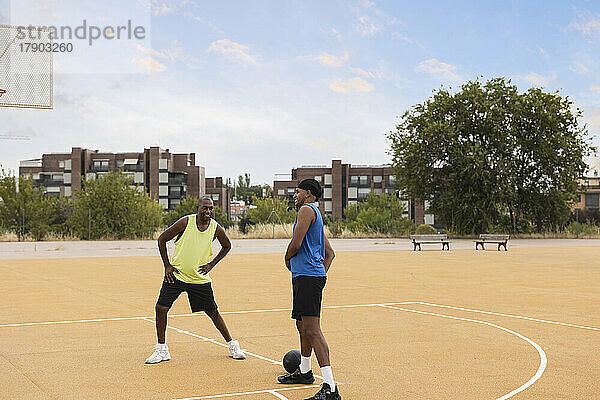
262 87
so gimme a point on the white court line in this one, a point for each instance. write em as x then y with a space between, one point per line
78 321
543 359
279 396
216 396
219 343
509 316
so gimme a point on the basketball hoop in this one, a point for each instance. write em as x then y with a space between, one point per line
2 91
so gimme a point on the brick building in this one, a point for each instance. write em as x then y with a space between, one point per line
589 198
165 176
345 184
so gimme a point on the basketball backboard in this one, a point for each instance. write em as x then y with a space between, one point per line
26 69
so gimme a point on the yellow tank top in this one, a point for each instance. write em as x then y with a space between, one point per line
193 250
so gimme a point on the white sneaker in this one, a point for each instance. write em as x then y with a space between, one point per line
161 353
235 351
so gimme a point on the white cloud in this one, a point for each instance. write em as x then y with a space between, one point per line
541 80
150 52
355 84
176 52
204 21
233 50
148 64
579 68
334 32
330 60
161 7
595 88
436 67
367 27
590 26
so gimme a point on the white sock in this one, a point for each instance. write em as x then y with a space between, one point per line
328 377
162 346
231 342
304 364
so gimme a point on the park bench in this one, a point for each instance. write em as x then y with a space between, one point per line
488 238
418 240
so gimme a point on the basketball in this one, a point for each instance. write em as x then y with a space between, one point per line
291 360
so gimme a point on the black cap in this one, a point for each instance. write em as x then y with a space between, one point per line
312 185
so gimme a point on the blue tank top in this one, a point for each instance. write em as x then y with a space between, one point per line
309 259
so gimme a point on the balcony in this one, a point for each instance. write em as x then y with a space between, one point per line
177 179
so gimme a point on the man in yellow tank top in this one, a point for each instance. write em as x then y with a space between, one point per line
188 270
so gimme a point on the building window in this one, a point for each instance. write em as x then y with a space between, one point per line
363 180
291 190
53 189
68 165
175 203
163 177
61 164
591 200
350 202
363 193
352 193
90 177
377 178
163 163
377 191
100 165
215 196
67 178
120 163
327 178
318 178
164 203
67 191
281 192
138 177
57 177
163 190
392 179
354 179
328 206
327 193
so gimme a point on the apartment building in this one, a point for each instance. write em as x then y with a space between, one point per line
165 176
589 198
345 184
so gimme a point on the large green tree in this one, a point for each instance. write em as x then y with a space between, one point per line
491 158
242 189
110 207
26 210
377 214
270 209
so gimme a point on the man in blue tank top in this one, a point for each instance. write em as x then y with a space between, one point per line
308 257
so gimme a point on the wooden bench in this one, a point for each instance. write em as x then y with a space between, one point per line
488 238
418 240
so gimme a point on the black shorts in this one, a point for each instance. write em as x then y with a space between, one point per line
308 294
200 296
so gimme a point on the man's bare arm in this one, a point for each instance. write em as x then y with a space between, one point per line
225 247
329 255
306 216
172 231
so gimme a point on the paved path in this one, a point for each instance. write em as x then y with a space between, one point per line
12 250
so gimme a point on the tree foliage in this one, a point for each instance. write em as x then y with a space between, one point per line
377 214
264 208
491 158
111 208
26 210
242 189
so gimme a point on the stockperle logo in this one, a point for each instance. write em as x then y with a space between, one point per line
85 31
